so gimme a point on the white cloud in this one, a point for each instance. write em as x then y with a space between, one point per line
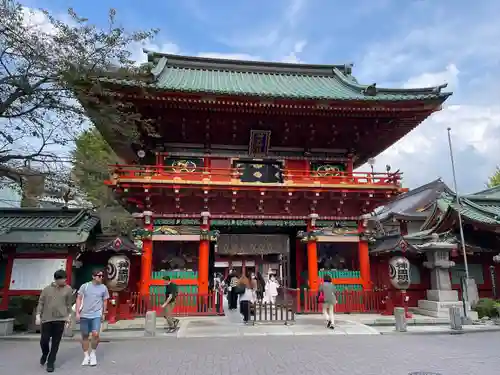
229 56
449 76
293 56
436 48
37 21
424 153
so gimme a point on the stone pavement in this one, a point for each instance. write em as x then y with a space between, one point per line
326 355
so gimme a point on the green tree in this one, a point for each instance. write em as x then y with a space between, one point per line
494 179
91 159
45 65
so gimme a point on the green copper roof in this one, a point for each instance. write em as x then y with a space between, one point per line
482 207
46 226
270 80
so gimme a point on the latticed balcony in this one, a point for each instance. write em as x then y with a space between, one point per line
193 175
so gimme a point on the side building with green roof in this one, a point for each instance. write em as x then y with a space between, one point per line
425 221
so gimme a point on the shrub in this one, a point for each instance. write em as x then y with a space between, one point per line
487 307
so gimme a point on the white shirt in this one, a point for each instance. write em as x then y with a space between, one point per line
247 296
272 288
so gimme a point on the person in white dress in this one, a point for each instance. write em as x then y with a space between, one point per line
271 290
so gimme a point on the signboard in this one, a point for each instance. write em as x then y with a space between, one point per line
34 274
257 223
327 169
158 222
181 165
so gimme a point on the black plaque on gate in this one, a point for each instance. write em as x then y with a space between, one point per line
263 172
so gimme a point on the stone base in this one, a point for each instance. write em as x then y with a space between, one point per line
442 295
441 309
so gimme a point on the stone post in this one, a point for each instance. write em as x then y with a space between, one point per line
455 318
150 324
400 316
439 264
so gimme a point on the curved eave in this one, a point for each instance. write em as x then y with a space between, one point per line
396 96
487 213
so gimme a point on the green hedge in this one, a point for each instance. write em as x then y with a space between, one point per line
487 307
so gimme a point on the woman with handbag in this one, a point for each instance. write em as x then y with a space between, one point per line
326 296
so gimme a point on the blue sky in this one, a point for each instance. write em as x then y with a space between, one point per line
394 43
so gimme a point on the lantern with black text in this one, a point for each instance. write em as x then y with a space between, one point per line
399 272
118 272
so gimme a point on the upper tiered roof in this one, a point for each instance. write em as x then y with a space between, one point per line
268 79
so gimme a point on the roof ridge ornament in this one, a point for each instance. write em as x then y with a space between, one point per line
158 68
371 90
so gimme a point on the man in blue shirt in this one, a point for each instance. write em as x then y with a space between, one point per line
90 310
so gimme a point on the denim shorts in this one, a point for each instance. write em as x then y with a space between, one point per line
88 325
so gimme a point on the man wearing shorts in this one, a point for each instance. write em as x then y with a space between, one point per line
169 304
91 305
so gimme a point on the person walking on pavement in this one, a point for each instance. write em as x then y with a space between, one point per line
327 290
90 309
232 296
169 304
53 313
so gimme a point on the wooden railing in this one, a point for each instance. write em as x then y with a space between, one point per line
186 304
233 176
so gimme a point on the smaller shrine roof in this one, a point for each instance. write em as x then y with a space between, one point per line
267 79
482 207
115 244
386 244
46 226
414 204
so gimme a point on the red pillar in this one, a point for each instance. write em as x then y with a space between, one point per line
364 260
312 256
69 268
204 255
147 255
6 286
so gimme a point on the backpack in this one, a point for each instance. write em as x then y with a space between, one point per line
83 296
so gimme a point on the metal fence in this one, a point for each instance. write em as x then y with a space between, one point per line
279 312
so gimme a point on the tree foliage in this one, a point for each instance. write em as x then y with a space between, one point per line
45 64
91 159
494 179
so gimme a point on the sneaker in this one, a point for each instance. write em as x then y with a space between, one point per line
50 367
43 359
86 360
93 359
329 324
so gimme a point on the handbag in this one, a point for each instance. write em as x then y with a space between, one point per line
239 289
321 297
